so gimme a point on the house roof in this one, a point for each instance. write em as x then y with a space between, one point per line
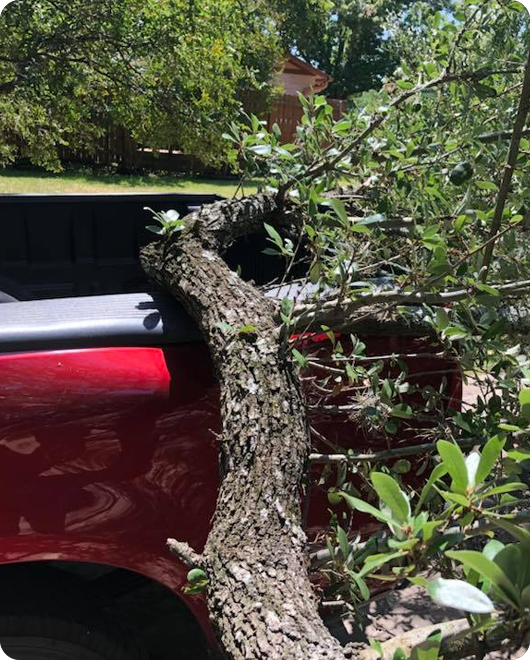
300 64
295 65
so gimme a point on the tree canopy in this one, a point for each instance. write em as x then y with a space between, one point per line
407 216
358 43
170 71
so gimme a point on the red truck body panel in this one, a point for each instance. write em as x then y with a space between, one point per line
104 453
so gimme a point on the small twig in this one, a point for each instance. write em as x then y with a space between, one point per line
185 553
330 459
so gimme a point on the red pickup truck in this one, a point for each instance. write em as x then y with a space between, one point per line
108 420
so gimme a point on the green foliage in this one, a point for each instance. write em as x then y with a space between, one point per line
397 201
460 595
494 580
169 222
172 72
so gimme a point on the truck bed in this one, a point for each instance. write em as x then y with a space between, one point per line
134 319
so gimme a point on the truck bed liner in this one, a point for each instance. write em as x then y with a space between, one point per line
138 319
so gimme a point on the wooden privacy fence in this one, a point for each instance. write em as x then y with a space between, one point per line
117 147
287 113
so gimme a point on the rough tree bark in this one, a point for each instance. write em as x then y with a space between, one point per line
259 594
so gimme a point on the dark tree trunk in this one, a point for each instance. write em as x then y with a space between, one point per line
259 596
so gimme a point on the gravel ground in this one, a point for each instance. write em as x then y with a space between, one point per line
395 612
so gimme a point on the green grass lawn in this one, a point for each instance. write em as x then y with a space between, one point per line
16 181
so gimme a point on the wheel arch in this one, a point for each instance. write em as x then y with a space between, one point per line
127 585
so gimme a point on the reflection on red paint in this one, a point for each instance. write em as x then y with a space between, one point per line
104 453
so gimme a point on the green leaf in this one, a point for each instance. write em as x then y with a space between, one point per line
455 498
364 507
455 333
402 411
519 533
438 472
390 494
490 453
342 126
399 654
462 422
261 149
509 560
154 229
442 319
334 498
519 455
511 428
361 585
486 185
300 359
273 234
455 462
488 289
506 488
376 561
443 542
196 575
492 548
525 597
460 595
431 68
314 273
524 400
488 570
402 466
340 210
376 645
419 581
344 544
225 327
247 330
429 528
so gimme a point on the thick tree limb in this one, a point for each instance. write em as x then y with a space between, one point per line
259 595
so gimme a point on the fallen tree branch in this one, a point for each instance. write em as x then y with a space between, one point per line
327 311
332 459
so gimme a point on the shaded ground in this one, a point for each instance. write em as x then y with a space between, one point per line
396 612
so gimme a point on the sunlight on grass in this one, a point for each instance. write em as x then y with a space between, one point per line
16 181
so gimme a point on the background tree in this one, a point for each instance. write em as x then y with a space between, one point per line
357 42
170 71
406 216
